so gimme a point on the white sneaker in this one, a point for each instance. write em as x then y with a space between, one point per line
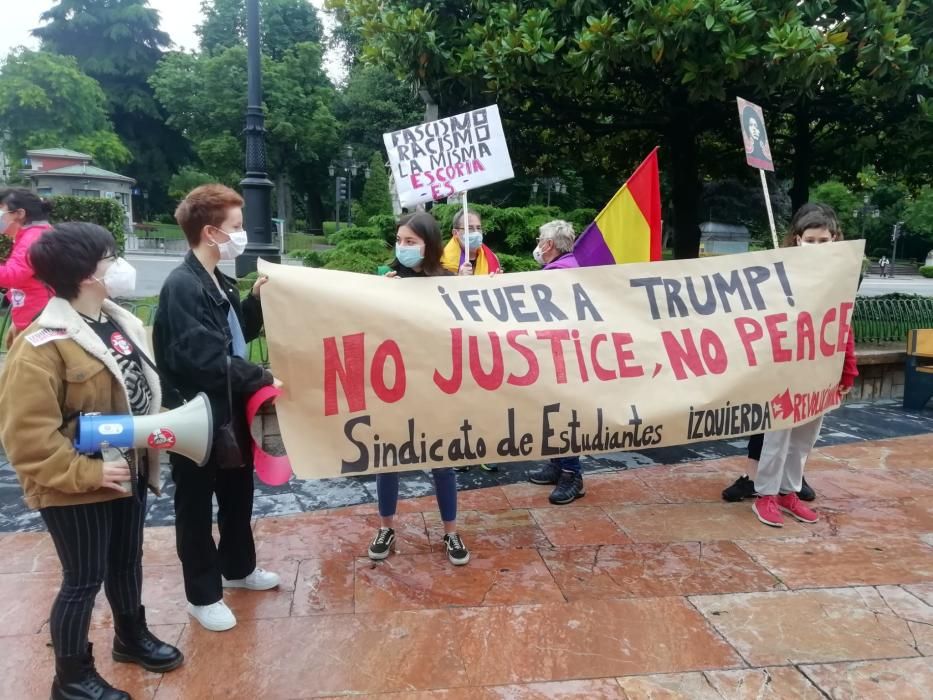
216 617
259 580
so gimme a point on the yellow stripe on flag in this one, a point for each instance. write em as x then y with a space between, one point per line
625 229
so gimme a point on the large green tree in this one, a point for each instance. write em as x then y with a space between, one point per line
373 103
119 43
46 101
283 23
600 82
302 133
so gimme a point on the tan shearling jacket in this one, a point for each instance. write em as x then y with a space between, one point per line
57 369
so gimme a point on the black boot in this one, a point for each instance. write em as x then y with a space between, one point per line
133 643
77 679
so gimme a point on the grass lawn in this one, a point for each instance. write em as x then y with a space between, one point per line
170 232
302 241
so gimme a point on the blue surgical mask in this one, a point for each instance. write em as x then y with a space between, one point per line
475 239
409 255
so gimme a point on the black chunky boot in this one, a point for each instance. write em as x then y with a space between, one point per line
77 679
133 643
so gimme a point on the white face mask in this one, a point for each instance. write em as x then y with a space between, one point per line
119 280
538 255
233 248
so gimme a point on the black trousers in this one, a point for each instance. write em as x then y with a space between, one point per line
754 446
202 560
97 543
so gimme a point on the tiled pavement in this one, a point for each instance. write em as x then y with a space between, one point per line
650 587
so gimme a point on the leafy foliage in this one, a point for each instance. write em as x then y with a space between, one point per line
354 233
186 180
283 24
6 247
119 43
595 83
919 214
103 212
46 101
375 198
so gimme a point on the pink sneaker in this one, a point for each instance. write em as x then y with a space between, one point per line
766 508
794 507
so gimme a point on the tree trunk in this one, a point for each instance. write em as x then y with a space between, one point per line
315 212
685 187
281 198
803 155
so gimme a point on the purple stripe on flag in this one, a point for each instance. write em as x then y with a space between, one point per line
591 249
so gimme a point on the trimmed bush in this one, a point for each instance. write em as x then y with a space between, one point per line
6 245
517 263
385 225
927 271
354 233
349 261
309 258
103 212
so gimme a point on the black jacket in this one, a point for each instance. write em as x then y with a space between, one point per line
192 342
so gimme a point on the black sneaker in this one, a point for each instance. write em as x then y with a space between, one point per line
569 488
742 488
457 552
545 476
382 544
489 467
806 492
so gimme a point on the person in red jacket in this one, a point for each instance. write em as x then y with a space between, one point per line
784 452
23 217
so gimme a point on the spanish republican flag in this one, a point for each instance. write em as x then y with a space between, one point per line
628 229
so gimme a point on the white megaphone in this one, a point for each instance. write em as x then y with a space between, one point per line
187 430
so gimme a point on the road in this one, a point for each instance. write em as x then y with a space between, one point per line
153 268
151 271
876 286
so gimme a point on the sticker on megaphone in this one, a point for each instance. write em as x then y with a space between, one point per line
187 430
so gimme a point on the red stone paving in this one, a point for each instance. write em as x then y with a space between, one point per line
649 587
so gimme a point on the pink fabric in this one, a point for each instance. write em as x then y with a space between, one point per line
27 295
273 470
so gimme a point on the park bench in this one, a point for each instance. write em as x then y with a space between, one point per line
918 370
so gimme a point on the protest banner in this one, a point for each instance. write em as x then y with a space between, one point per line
388 375
449 156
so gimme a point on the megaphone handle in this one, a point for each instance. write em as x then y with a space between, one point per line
112 454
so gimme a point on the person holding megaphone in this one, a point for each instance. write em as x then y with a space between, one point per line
85 354
200 334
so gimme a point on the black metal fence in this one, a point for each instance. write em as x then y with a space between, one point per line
257 351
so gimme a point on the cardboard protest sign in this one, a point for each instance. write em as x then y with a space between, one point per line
757 150
435 160
389 375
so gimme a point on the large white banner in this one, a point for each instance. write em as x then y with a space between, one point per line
386 375
435 160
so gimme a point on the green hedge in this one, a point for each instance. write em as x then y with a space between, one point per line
511 232
103 212
927 271
517 263
354 233
6 245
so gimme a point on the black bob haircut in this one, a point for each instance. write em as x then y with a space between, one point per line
68 254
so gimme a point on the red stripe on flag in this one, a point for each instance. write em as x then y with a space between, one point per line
645 188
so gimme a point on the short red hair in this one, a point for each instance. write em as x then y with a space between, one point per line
206 205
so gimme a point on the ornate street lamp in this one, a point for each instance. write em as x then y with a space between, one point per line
257 188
